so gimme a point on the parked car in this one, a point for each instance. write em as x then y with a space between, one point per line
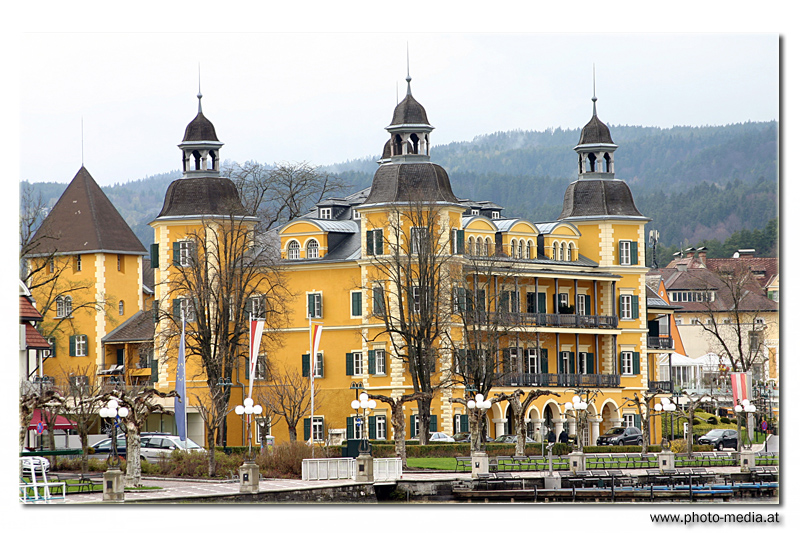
464 436
620 436
512 439
102 449
438 436
720 438
35 464
155 445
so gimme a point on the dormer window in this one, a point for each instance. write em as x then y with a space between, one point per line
356 215
476 212
325 212
495 214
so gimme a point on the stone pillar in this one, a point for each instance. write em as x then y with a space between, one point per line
577 462
666 460
595 431
499 426
747 460
559 422
364 468
113 485
479 463
248 478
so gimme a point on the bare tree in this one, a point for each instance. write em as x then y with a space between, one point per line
735 312
398 418
226 278
686 410
518 410
642 405
83 401
213 412
34 396
282 192
141 403
415 278
288 397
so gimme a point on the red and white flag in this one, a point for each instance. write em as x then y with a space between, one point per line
741 383
256 331
316 335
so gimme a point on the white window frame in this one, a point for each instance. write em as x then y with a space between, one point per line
626 363
78 263
358 364
121 306
326 213
317 425
64 307
81 345
319 365
495 214
475 212
528 246
533 361
581 308
382 311
358 429
261 368
263 428
380 427
626 307
258 306
356 214
416 299
317 311
625 253
185 253
293 250
583 363
380 361
628 420
312 249
417 234
513 352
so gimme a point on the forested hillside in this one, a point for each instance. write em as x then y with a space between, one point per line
696 183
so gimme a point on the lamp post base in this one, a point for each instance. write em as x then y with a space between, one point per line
113 485
577 462
666 461
747 460
364 468
480 463
248 478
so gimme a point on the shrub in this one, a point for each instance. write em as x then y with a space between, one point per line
678 446
696 421
284 460
725 420
712 420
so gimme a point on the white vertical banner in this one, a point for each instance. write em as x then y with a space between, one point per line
314 336
256 331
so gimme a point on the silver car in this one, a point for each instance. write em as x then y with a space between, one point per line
156 445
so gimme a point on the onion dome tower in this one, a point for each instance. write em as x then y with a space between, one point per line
597 193
406 173
200 146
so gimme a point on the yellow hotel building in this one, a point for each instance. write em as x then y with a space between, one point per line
570 294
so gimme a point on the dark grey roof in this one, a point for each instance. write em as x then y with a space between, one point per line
595 132
138 328
202 196
85 220
200 129
148 275
387 150
410 182
598 198
409 111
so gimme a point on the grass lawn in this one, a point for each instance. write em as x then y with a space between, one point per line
434 463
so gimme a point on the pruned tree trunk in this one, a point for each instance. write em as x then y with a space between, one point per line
133 470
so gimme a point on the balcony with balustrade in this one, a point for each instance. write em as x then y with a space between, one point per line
594 381
532 320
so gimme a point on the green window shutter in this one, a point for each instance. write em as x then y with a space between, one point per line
504 296
412 430
373 428
155 311
154 255
634 252
348 364
588 304
371 361
378 242
542 302
560 364
637 421
321 367
460 241
176 309
464 422
176 253
619 253
310 305
636 363
356 303
306 429
350 428
590 363
433 425
370 241
306 365
153 370
635 306
543 353
571 362
507 360
246 370
72 345
461 296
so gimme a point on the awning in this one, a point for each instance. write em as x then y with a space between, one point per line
61 422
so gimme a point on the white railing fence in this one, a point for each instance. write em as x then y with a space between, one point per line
383 469
387 468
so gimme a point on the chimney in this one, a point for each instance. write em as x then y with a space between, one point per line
745 252
701 255
690 252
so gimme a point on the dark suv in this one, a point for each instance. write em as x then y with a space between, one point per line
719 438
620 437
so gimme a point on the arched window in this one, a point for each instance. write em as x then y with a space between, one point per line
121 307
293 250
487 246
414 143
63 306
520 253
592 161
572 256
213 155
397 145
513 248
479 250
608 162
562 252
555 251
528 250
196 156
312 249
471 246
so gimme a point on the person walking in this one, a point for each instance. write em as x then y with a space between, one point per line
551 436
564 436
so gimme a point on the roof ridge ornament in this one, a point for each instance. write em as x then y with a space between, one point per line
594 93
408 72
199 93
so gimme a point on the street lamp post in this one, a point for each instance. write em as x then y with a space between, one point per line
364 462
578 407
248 409
666 458
248 472
666 406
113 484
746 454
479 459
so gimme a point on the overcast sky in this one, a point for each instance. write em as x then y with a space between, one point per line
325 98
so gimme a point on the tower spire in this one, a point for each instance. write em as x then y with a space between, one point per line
594 93
199 92
408 72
